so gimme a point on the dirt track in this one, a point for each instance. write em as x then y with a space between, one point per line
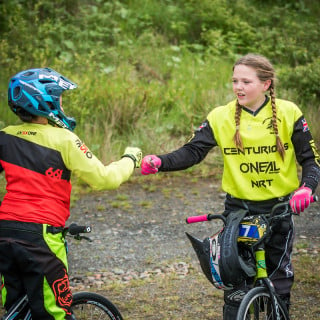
142 225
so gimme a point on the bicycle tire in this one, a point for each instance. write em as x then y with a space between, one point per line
256 305
93 306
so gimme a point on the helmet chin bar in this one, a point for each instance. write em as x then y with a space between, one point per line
224 262
53 119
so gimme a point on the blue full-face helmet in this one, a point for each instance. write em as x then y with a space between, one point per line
38 92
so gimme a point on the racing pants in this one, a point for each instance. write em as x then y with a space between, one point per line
33 261
278 254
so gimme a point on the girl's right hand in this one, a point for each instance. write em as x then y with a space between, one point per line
150 164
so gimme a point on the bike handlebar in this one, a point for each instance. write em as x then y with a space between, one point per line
314 198
75 229
205 217
208 217
195 219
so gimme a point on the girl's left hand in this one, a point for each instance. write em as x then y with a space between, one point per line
300 199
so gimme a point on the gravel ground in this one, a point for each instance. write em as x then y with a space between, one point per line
141 226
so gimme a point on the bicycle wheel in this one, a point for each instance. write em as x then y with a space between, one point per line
257 305
92 306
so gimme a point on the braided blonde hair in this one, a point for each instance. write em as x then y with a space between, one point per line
265 71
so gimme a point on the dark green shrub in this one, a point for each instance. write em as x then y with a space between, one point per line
305 79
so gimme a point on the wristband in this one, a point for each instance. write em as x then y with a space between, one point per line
131 157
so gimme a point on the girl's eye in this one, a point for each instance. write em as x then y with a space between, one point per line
245 81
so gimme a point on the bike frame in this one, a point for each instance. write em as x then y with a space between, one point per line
260 232
20 306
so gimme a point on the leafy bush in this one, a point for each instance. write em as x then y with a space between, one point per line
147 67
305 79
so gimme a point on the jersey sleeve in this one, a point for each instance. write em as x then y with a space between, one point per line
306 154
82 162
1 134
192 152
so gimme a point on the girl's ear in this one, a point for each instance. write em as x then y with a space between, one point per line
267 84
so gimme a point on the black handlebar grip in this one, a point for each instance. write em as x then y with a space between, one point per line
75 229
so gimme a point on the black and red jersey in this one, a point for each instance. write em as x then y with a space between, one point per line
38 161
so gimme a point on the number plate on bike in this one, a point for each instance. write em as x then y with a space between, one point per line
251 229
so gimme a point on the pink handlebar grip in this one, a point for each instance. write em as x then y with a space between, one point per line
314 198
195 219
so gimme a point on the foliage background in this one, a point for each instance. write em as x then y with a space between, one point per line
149 71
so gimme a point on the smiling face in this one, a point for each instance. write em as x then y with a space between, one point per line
248 88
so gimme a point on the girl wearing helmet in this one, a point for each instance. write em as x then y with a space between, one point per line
38 157
260 138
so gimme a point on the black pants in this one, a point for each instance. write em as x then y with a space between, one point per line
33 261
278 253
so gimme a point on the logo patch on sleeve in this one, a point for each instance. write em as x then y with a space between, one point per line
203 125
305 125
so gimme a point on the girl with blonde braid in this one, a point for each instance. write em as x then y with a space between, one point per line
260 138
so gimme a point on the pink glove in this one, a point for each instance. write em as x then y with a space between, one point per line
150 164
301 199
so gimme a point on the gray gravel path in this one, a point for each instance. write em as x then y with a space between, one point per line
142 225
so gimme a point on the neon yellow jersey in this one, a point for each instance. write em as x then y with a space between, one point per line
257 173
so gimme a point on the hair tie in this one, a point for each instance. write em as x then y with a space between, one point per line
237 127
